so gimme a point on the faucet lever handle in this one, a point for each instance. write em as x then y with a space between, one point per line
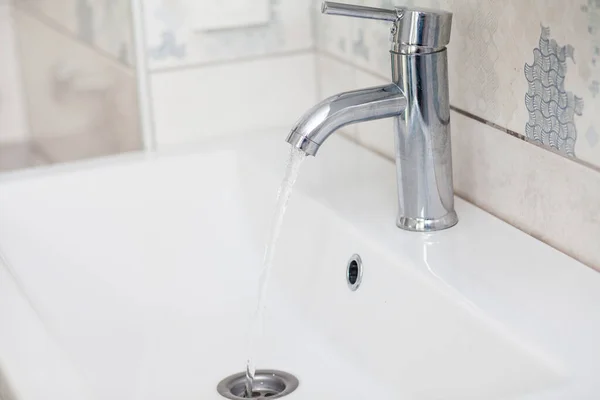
352 10
414 29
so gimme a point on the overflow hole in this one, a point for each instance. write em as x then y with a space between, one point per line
354 271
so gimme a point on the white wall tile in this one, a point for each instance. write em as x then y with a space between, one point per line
335 76
196 103
334 34
13 124
173 40
539 192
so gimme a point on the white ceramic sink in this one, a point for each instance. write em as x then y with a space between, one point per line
134 278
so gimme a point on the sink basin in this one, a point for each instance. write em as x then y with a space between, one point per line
134 277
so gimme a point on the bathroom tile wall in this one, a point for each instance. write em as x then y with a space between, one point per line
530 67
548 196
207 82
523 80
79 78
525 94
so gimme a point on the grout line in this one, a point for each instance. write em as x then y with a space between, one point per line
160 70
57 27
489 123
524 138
467 114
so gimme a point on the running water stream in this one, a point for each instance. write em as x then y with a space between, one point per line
257 322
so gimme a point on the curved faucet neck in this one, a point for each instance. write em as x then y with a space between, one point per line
346 108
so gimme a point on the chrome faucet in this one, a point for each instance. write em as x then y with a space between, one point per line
418 101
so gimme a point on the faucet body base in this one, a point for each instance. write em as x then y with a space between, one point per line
422 141
427 225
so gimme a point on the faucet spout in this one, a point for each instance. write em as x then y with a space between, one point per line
342 109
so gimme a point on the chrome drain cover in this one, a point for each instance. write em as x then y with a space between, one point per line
268 384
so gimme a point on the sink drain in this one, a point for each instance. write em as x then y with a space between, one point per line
268 384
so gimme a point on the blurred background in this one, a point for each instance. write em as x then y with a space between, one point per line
68 86
87 78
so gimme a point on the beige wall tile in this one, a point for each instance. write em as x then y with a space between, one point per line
19 155
539 192
72 90
13 125
542 193
103 24
547 195
62 12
